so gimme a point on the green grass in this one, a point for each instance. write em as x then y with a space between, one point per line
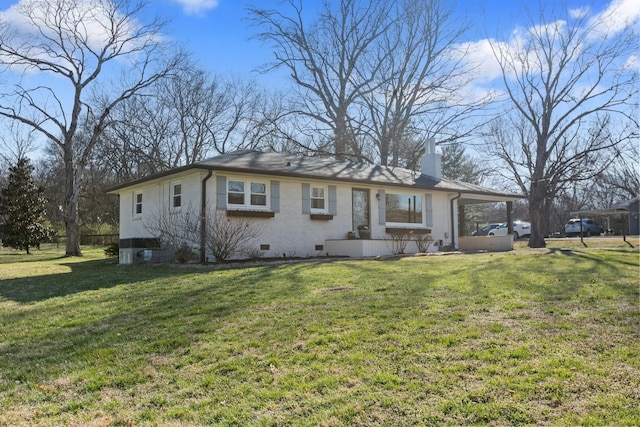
522 338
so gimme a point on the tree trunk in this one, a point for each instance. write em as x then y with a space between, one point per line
537 215
72 231
71 205
340 143
384 151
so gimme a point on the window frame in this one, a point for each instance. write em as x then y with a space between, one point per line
247 194
173 195
243 192
264 194
136 204
324 198
423 210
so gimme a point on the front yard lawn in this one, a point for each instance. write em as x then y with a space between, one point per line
544 337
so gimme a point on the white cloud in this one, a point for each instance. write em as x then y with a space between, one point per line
479 57
74 28
196 7
580 12
633 63
617 16
81 22
558 26
11 14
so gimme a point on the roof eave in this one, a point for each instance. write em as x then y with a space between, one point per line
431 183
115 188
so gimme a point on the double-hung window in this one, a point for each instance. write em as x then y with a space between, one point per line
137 203
235 193
247 194
318 199
176 195
259 194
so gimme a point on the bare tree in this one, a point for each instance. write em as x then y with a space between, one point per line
210 112
17 144
135 144
183 119
79 46
334 61
268 127
621 180
565 79
421 81
14 146
97 211
375 79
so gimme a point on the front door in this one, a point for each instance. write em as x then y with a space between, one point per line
360 211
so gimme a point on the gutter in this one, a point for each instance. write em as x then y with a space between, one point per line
203 218
453 227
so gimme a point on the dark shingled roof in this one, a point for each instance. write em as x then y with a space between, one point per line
281 164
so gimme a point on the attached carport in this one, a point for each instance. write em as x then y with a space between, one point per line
486 243
618 211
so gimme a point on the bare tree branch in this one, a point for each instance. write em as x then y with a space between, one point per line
334 60
565 79
81 44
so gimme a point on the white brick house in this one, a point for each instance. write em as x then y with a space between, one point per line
305 205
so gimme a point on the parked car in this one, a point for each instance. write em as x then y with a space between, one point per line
484 231
589 227
520 229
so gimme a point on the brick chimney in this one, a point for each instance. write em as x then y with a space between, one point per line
431 161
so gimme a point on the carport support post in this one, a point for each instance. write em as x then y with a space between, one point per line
461 220
509 222
624 232
581 234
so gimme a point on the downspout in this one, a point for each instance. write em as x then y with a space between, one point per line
453 218
203 218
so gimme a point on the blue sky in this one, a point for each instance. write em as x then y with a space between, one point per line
219 35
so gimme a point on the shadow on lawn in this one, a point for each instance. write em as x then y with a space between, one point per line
597 257
82 276
121 331
584 266
142 320
10 258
